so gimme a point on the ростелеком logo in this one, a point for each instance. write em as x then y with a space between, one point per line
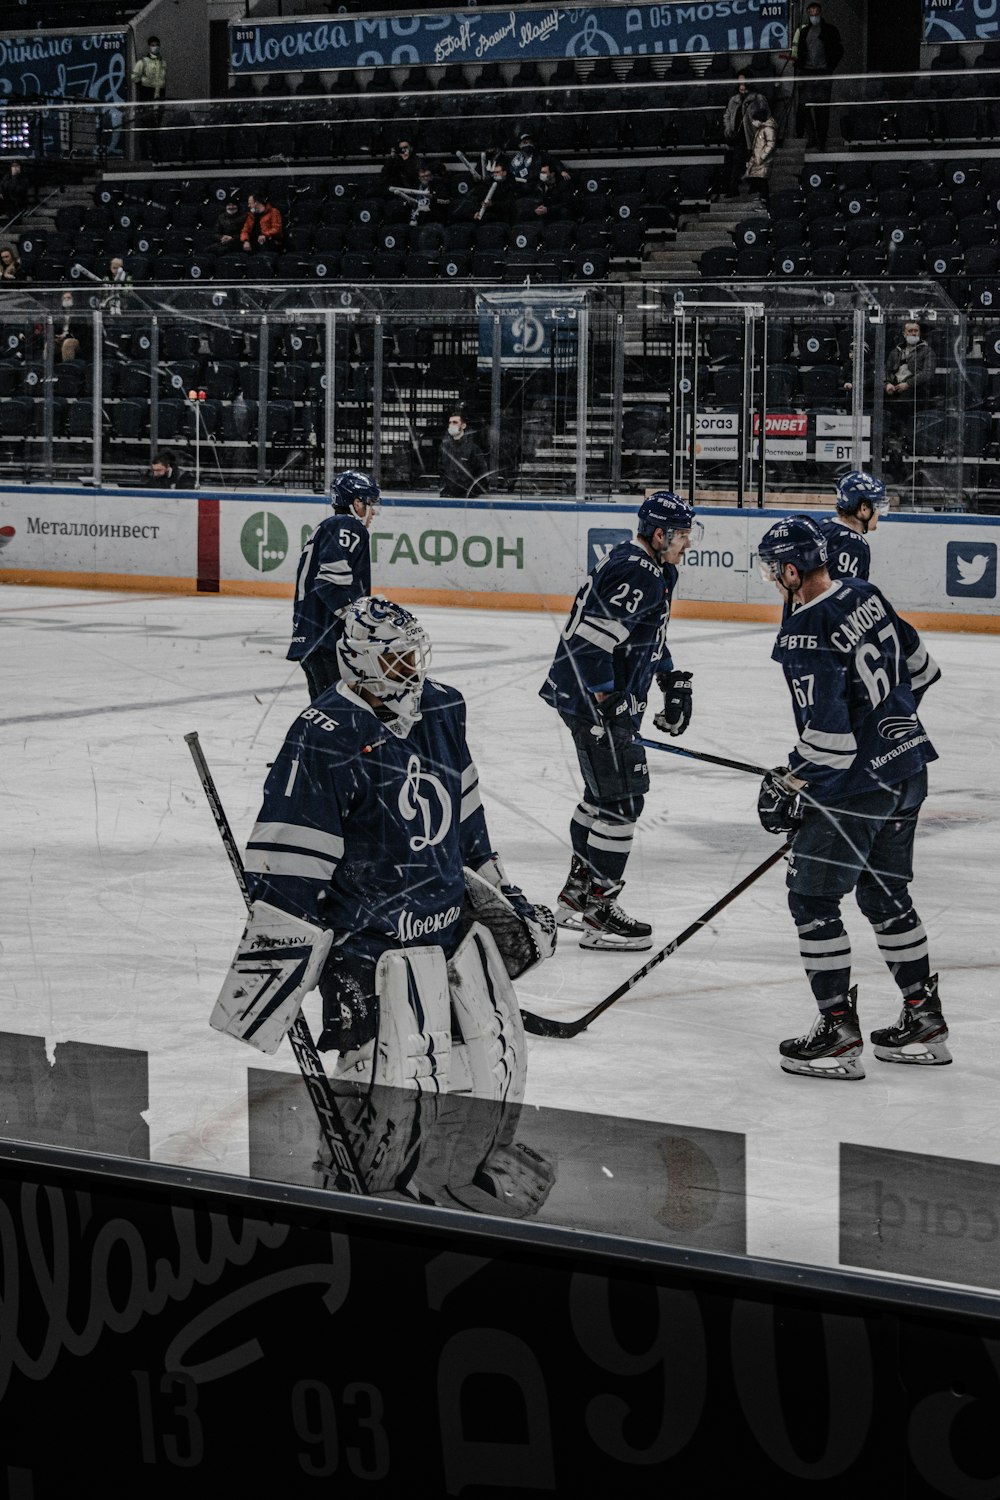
972 570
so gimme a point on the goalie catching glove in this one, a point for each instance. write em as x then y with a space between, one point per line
675 715
524 934
278 961
778 806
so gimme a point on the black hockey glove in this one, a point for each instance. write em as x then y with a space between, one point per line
675 715
777 803
616 718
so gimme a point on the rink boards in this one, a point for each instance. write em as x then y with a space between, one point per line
491 553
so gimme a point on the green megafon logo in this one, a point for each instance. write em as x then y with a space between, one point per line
264 541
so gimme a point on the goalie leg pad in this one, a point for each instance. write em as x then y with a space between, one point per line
277 963
487 1019
413 1046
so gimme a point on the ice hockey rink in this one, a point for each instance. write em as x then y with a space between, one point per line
670 1118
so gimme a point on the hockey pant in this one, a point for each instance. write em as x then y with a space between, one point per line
865 845
615 780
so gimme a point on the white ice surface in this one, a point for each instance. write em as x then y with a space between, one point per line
120 913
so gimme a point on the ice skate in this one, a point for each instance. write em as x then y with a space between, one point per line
573 897
605 925
920 1034
832 1048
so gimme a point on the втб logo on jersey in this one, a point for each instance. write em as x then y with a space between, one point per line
423 797
898 728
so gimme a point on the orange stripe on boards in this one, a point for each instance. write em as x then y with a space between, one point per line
116 582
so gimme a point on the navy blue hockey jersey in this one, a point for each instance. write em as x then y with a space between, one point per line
856 672
615 639
367 833
334 569
849 554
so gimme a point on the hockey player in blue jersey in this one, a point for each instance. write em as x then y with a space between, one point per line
861 500
850 797
611 647
371 816
334 570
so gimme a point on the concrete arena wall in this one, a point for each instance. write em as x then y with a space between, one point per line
942 570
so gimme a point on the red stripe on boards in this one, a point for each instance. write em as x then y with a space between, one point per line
208 546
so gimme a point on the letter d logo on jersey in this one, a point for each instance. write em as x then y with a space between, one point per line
972 570
423 798
600 541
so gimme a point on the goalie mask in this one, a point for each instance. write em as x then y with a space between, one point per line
385 651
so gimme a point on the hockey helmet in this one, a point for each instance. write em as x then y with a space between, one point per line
354 485
856 487
386 650
797 540
665 509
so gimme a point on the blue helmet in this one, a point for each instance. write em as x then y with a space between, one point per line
667 510
856 487
353 485
797 540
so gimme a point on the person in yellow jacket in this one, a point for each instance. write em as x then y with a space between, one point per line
150 78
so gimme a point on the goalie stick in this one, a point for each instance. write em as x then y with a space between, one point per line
543 1026
314 1075
713 760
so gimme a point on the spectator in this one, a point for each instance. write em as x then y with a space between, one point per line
164 473
228 226
816 51
847 373
461 461
525 164
555 194
70 331
13 190
765 140
909 364
738 133
400 167
150 78
500 199
438 208
263 227
11 268
119 283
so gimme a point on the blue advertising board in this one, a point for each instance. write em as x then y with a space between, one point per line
961 20
493 34
535 328
47 65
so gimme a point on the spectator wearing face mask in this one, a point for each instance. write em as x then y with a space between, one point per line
816 52
400 169
554 193
438 209
910 364
526 163
228 226
499 202
738 132
150 78
263 227
765 141
461 461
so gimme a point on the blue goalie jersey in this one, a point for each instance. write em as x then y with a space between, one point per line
856 672
615 639
368 833
334 569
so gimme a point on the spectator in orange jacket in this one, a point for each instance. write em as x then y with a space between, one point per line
263 227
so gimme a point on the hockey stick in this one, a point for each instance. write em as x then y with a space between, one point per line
314 1075
713 760
542 1026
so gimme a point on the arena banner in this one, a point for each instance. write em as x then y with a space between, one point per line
494 552
87 65
961 20
535 328
494 34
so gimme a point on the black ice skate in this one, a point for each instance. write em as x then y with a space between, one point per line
832 1048
605 925
920 1034
573 898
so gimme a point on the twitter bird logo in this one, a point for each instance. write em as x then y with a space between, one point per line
972 570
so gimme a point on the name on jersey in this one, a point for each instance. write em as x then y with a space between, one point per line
409 927
858 622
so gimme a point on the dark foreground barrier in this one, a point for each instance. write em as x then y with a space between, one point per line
232 1334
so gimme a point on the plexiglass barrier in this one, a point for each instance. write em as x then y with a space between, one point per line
574 391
